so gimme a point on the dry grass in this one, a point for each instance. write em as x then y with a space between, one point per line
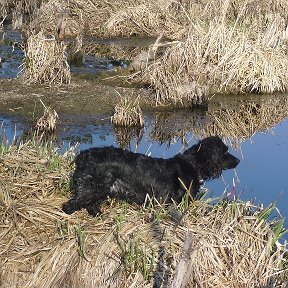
224 46
20 10
220 59
128 113
47 122
126 246
45 61
131 18
56 15
34 16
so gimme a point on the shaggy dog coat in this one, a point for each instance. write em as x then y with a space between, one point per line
117 173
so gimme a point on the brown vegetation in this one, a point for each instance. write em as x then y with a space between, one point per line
224 46
43 247
45 61
128 113
47 122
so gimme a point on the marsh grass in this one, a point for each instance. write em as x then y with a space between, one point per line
130 18
235 244
221 48
128 113
219 59
45 61
47 122
215 47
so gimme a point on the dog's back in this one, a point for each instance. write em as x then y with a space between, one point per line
120 173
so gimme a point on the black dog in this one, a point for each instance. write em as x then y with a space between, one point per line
117 173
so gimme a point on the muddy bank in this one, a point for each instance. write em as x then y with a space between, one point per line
93 96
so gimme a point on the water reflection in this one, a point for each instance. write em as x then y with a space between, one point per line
235 118
124 136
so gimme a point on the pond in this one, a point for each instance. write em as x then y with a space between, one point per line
255 127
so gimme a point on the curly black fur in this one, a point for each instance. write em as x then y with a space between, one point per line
117 173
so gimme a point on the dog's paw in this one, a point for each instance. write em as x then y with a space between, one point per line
93 210
70 207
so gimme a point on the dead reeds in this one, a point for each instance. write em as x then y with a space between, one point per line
219 59
128 113
45 61
221 47
132 18
47 122
229 264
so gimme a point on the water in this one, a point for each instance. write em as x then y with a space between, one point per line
11 60
262 173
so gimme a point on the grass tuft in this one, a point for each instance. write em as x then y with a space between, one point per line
45 61
47 122
128 113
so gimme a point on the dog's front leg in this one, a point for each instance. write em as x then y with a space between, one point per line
93 209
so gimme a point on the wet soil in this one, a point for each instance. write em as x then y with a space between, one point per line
80 97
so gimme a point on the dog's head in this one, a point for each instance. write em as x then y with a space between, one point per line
212 157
